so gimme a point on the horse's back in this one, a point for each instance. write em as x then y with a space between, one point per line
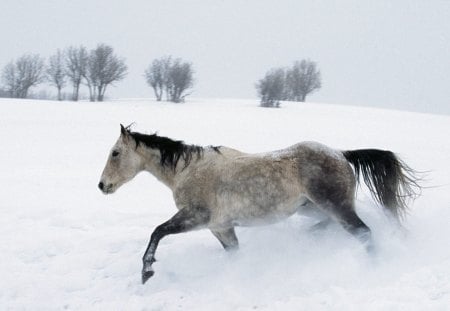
311 170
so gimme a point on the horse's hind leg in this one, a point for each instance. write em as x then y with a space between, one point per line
227 237
353 224
310 209
334 194
343 212
321 225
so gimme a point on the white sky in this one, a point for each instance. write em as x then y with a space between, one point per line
379 53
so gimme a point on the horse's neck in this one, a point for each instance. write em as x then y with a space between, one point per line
152 164
168 176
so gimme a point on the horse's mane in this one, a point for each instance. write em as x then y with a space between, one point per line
171 150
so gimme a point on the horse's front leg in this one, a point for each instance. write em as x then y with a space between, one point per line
227 237
187 219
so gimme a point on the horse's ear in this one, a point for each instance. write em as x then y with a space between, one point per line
123 130
124 133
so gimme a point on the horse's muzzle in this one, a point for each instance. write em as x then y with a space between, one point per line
106 189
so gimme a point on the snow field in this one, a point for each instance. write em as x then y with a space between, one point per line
64 245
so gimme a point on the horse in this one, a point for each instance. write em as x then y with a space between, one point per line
219 188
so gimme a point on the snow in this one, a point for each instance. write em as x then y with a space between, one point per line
64 245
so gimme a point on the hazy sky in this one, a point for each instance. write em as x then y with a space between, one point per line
379 53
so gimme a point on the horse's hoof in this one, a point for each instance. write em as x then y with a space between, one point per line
146 275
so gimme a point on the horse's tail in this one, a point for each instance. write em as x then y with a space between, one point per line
391 182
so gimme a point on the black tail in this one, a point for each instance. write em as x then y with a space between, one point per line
391 182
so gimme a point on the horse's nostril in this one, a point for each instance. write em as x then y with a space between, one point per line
101 185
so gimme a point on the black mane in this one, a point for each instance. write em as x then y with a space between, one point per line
171 150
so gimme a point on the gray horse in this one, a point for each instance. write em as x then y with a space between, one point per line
219 188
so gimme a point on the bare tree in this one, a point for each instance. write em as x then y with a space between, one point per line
179 80
104 68
56 73
302 79
157 75
76 63
21 75
271 89
174 77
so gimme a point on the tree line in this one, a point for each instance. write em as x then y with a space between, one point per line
170 78
74 66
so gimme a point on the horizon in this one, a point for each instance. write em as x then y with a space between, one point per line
250 102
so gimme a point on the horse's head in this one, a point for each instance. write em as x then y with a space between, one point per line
123 163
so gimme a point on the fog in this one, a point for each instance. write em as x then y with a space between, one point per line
372 53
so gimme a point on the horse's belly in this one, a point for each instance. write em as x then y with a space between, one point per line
246 211
261 219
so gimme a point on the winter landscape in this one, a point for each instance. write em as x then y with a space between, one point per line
254 75
66 246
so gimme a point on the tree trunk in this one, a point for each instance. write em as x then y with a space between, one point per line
91 93
76 89
24 93
99 94
59 93
158 94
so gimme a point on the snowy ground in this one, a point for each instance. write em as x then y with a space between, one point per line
64 245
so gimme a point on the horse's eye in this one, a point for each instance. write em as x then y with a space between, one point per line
115 153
